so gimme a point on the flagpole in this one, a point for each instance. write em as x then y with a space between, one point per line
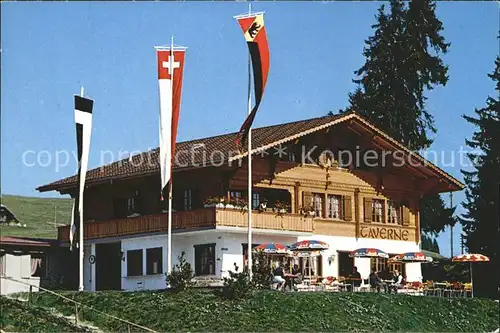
80 235
169 231
250 198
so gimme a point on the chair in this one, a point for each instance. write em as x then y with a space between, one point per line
458 289
448 290
467 289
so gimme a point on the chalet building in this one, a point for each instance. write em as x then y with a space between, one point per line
337 179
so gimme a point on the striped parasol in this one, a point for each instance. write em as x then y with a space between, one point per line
470 258
309 245
473 257
271 248
368 253
410 257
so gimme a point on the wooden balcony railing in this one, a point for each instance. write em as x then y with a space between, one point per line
264 220
193 219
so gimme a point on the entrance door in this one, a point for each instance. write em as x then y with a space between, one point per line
108 266
346 264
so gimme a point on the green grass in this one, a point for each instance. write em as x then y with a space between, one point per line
36 213
17 316
268 311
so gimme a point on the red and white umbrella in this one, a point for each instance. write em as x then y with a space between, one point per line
470 258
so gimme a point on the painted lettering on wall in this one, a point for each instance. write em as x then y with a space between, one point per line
384 233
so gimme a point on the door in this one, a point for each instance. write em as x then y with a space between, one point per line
108 266
346 263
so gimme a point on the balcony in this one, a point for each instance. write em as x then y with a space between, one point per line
206 218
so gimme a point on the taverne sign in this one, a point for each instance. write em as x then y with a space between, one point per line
384 233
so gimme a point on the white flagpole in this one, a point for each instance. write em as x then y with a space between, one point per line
80 235
169 231
250 198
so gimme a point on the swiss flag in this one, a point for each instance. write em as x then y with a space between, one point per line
170 70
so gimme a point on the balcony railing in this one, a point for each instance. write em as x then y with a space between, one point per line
206 218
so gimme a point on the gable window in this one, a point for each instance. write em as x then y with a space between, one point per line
154 261
317 204
188 200
393 213
377 210
134 263
204 259
235 194
333 210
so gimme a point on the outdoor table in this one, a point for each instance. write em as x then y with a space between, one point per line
289 280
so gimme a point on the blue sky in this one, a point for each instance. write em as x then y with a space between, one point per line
50 49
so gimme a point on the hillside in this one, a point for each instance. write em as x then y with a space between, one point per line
38 214
17 316
197 310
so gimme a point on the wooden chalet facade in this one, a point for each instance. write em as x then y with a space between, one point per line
297 168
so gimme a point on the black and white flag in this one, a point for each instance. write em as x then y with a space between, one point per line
83 120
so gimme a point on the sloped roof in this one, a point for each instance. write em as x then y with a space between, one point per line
263 138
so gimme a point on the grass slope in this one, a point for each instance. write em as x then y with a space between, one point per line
197 310
36 213
17 316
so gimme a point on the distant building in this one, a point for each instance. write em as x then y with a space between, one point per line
30 261
6 216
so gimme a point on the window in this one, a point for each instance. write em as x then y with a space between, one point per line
188 203
377 264
204 259
235 194
127 206
255 200
393 215
333 207
317 203
377 210
316 266
154 261
134 263
39 265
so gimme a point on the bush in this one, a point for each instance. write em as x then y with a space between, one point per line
182 274
261 272
237 286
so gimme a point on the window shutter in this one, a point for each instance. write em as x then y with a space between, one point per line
347 208
405 215
306 199
368 209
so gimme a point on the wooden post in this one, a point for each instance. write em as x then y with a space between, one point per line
76 313
30 295
356 211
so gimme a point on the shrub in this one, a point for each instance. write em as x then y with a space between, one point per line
182 274
261 271
237 286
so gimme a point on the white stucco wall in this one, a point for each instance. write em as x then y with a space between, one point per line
228 250
18 268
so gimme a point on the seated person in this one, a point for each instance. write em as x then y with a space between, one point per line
279 276
398 281
375 281
355 277
298 274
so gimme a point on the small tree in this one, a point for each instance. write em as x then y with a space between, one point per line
182 274
262 276
237 285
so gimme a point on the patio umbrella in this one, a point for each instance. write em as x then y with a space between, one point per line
434 255
272 248
470 258
368 253
309 248
411 257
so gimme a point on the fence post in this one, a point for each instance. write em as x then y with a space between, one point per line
76 313
30 295
128 326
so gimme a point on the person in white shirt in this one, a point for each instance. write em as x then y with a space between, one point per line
398 281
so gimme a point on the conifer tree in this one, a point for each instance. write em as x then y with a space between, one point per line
482 220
